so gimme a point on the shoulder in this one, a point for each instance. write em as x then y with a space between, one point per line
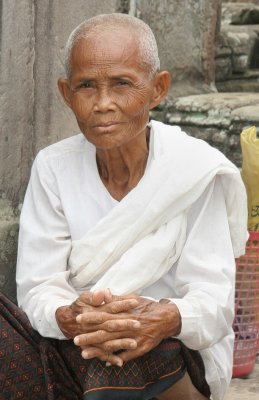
173 140
63 159
64 154
72 145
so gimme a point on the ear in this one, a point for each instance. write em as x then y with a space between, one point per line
65 90
161 86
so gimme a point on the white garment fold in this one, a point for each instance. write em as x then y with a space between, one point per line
139 240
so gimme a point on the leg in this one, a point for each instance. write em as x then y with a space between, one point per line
30 366
21 370
182 390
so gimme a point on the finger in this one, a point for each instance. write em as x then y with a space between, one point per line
112 359
92 298
119 325
92 352
92 317
108 297
112 346
95 338
121 306
98 297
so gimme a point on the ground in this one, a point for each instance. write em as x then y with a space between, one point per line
245 389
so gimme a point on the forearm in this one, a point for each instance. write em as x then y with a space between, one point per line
41 302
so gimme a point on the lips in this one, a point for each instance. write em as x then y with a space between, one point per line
105 124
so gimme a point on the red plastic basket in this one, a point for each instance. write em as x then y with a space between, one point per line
246 323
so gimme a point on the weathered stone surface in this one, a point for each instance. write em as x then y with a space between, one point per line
246 84
185 31
33 35
8 245
16 95
53 119
217 118
234 52
240 13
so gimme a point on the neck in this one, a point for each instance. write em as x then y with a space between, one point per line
121 168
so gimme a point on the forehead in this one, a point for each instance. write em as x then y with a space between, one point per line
106 49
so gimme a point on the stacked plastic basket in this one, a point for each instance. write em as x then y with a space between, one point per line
246 324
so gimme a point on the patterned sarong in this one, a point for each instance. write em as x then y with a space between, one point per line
33 367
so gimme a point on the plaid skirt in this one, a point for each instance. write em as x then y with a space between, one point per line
33 367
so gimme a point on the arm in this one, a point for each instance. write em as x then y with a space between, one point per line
205 275
43 249
44 291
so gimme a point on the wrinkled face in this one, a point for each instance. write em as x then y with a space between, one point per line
110 91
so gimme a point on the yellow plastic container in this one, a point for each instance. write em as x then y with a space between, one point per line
250 174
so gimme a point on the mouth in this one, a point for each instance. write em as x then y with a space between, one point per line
105 124
105 127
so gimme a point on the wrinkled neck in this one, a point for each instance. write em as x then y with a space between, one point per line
121 168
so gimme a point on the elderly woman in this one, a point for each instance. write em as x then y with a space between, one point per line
128 233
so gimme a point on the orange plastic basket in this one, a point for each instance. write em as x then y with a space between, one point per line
246 323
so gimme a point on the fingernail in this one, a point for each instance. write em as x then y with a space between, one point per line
133 345
84 354
133 302
76 340
136 324
108 364
119 363
79 318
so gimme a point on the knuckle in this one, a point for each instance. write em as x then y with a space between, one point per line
99 317
108 347
110 326
100 334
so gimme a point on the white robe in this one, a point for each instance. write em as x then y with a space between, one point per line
66 198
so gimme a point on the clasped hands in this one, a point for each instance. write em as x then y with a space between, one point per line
117 329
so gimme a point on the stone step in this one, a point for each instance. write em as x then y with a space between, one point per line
247 82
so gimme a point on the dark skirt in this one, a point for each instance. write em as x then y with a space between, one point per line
33 367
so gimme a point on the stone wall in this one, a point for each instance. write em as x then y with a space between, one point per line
237 50
185 32
33 35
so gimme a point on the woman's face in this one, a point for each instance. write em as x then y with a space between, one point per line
109 90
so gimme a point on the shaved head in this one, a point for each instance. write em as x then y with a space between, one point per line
115 22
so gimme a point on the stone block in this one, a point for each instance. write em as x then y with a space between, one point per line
235 52
223 67
218 118
16 95
240 13
8 249
185 31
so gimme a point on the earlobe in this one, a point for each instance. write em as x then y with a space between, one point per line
65 91
161 86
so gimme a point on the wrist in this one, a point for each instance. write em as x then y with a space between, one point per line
172 317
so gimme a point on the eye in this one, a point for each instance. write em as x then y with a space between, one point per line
122 82
86 85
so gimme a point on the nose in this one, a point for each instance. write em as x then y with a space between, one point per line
104 101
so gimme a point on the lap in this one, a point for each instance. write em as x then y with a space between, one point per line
41 368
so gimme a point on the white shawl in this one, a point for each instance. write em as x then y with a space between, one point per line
143 236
